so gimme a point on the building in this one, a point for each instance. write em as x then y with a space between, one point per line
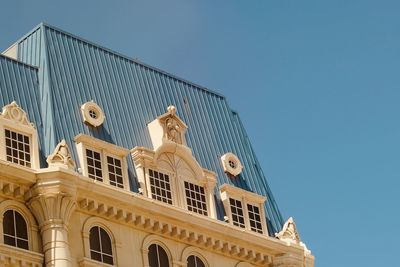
106 161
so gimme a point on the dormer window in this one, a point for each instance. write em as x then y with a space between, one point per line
160 186
18 137
114 166
196 198
236 208
94 168
102 161
244 209
170 173
18 148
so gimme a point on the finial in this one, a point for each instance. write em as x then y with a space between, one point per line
171 109
61 157
289 232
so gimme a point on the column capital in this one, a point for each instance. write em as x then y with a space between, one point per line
52 200
289 260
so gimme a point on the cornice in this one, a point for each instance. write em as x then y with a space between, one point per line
137 211
17 173
238 192
100 144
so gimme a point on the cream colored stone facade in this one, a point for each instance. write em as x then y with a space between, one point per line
61 205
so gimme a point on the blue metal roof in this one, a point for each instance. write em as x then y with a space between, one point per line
72 71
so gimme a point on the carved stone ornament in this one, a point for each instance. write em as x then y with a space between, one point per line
231 164
61 157
172 127
15 113
289 232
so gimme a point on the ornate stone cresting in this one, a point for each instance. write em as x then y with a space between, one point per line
167 128
61 157
15 113
302 257
173 131
289 232
52 200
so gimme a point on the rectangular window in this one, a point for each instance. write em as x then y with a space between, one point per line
93 159
196 198
237 212
160 186
18 148
254 218
115 172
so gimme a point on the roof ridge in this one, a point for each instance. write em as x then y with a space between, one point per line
108 50
19 62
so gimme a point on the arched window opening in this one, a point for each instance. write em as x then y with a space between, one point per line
194 261
15 230
100 245
158 256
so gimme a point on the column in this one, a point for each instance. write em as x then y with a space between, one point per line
52 201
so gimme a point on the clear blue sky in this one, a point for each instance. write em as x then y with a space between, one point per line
317 86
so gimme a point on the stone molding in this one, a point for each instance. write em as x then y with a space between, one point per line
15 119
61 157
213 240
15 257
289 232
16 114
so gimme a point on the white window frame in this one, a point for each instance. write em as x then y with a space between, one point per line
114 235
183 198
145 159
105 149
15 119
157 240
229 191
32 227
171 184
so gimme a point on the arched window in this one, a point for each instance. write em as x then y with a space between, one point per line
194 261
100 245
157 256
15 230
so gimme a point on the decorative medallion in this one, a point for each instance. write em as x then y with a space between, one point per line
92 114
231 164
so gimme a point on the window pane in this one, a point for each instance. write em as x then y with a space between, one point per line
191 262
105 242
195 198
8 223
237 212
17 148
108 259
94 239
9 240
153 256
100 245
15 230
21 229
22 244
163 257
160 187
95 256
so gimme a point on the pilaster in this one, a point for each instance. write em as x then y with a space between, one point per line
52 200
289 260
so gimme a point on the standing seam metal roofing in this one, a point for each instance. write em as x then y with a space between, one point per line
73 71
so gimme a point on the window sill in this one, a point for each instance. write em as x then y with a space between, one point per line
86 262
12 256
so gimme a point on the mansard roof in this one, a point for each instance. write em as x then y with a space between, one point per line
61 71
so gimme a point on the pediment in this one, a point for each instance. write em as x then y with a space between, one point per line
15 113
